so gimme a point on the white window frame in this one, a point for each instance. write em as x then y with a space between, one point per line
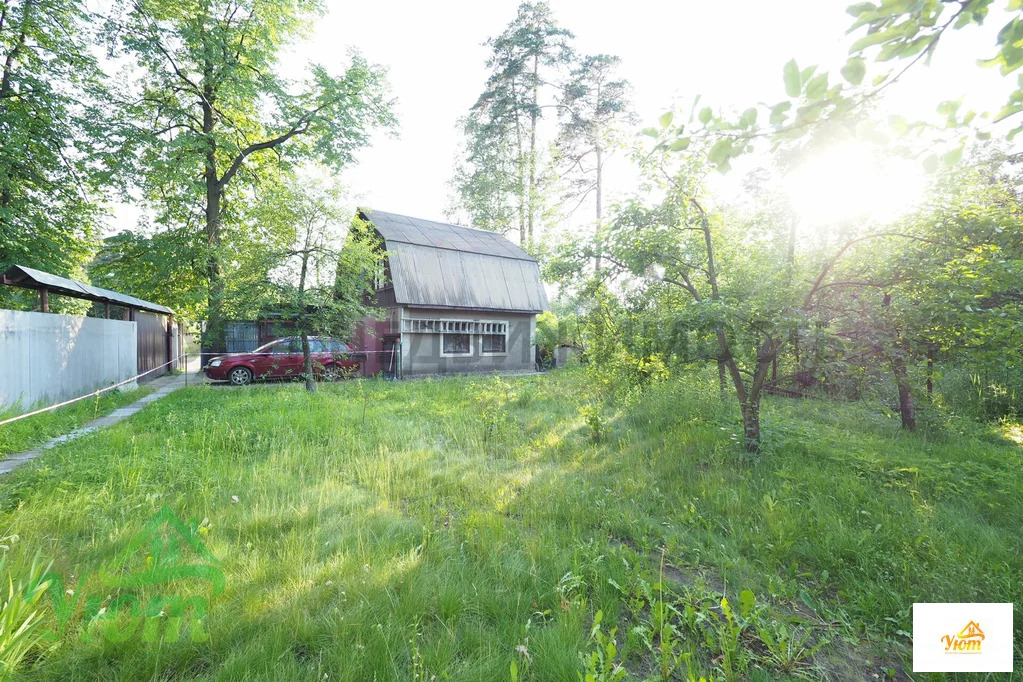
495 333
467 354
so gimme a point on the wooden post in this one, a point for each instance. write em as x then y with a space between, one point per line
131 313
44 300
124 314
106 310
170 342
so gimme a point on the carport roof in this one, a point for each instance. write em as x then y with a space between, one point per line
30 278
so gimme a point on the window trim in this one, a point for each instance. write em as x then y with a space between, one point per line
467 354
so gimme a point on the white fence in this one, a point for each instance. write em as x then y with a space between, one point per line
47 358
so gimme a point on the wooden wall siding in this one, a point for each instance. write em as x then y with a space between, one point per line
152 342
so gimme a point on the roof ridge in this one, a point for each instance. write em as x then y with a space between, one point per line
439 222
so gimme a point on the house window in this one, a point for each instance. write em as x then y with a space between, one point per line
456 344
493 344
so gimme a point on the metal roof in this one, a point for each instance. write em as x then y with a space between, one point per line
30 278
407 230
439 265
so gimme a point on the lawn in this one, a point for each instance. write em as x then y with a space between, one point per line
498 529
32 431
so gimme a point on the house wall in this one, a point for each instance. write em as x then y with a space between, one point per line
46 358
421 352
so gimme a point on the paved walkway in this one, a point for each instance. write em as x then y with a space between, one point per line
163 385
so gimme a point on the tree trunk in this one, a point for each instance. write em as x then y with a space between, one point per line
906 408
751 425
532 148
307 364
520 171
721 377
930 370
307 358
598 244
214 339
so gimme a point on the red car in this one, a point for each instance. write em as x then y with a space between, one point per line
283 358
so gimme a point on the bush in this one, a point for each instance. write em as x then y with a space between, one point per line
986 395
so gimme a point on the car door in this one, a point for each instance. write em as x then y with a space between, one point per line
319 355
264 362
290 364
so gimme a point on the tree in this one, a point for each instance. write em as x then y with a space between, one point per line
510 108
594 104
52 136
325 280
952 290
486 181
213 114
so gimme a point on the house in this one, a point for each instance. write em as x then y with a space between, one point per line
457 299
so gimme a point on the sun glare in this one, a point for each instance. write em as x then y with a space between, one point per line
850 182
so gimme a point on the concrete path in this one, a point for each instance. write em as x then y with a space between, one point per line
162 385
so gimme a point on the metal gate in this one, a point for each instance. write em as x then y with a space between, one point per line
152 342
241 337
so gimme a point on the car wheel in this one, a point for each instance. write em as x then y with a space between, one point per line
240 376
332 373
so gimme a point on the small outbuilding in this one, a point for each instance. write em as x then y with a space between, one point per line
457 300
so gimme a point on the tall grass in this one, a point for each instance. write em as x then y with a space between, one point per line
21 613
32 431
458 526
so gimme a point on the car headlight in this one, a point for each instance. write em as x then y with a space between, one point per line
215 363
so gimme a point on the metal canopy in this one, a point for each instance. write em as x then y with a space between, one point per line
30 278
438 265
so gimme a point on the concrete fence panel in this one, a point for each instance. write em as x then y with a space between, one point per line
46 358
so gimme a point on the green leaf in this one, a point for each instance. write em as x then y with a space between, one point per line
931 163
817 88
1008 110
793 82
679 144
746 600
665 119
898 124
860 8
748 118
705 115
873 39
720 152
953 156
854 70
652 132
778 112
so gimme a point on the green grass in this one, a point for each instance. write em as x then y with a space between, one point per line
32 431
451 528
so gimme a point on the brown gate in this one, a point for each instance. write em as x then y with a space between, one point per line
152 342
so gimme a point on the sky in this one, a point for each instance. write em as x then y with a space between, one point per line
730 53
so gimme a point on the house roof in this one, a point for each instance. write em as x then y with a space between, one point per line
440 265
30 278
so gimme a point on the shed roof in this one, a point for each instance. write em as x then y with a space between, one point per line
441 265
30 278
